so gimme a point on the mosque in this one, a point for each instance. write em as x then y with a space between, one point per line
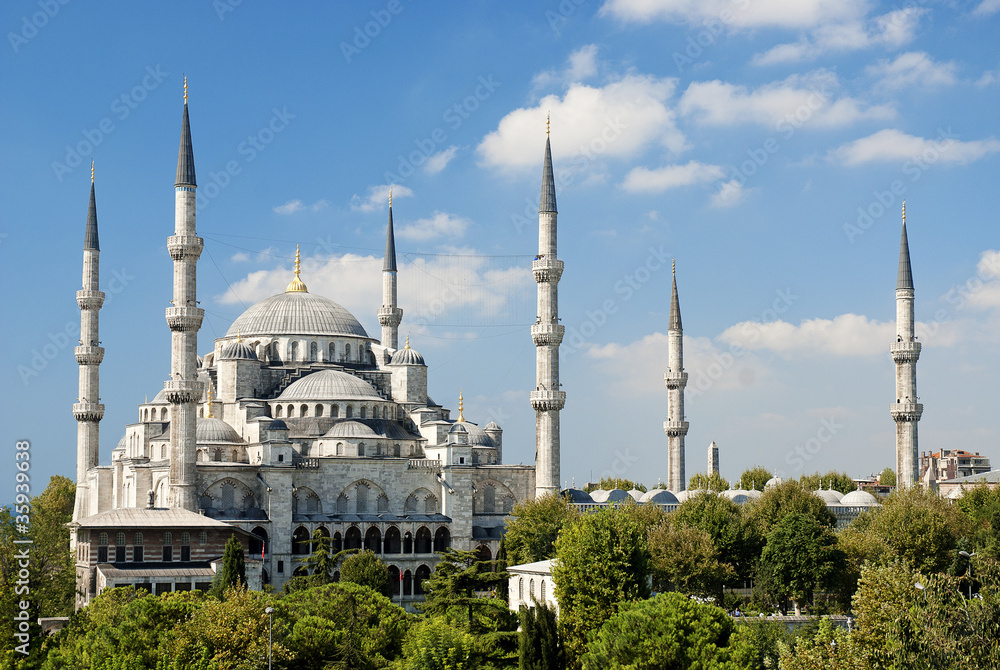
296 421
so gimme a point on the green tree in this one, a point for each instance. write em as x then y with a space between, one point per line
455 585
981 504
756 642
614 540
669 631
434 644
830 648
801 555
322 563
753 479
233 572
367 569
685 559
783 499
609 483
540 645
736 540
531 532
887 477
838 481
702 482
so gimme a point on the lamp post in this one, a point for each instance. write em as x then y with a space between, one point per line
968 570
270 615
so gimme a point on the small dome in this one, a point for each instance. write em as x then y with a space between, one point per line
753 494
330 385
858 498
406 356
684 496
492 425
739 496
122 443
459 427
576 496
829 496
277 424
772 482
351 429
478 437
214 431
160 398
239 351
636 494
659 497
614 495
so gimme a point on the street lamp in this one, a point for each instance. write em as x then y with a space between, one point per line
968 570
270 614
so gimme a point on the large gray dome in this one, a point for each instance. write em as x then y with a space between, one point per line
330 385
296 313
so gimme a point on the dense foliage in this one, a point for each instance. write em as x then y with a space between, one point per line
367 569
713 482
532 530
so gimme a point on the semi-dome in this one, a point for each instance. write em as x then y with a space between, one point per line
330 385
238 351
459 427
352 430
829 496
277 424
659 497
478 436
858 498
296 313
576 496
212 430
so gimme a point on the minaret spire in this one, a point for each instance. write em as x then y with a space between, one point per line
184 317
88 409
906 411
389 315
548 398
675 379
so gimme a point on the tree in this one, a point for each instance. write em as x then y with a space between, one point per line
669 631
887 477
322 563
756 642
455 583
838 481
540 645
753 479
736 541
367 569
830 648
233 572
615 540
785 498
800 555
609 483
685 559
713 482
535 524
434 644
981 505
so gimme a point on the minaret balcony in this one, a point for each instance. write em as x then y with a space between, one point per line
547 334
88 411
184 246
547 270
389 316
89 299
906 411
542 401
675 380
180 391
89 355
185 319
905 352
676 428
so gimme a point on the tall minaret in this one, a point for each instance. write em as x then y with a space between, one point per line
183 389
905 351
676 379
547 333
88 409
389 315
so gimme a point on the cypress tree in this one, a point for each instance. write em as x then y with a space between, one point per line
233 571
540 647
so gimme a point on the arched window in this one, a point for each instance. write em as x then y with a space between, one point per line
381 504
541 588
313 351
393 542
185 546
347 353
203 538
352 538
163 414
319 410
201 413
138 539
333 352
102 540
291 411
185 539
293 351
361 448
342 504
442 539
489 500
350 411
364 412
340 448
277 411
373 540
228 496
431 504
361 495
300 541
304 410
520 588
335 411
423 574
531 589
168 538
423 544
120 539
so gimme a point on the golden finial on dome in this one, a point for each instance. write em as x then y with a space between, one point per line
297 285
407 342
239 334
210 414
185 89
461 407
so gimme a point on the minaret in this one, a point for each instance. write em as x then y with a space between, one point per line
547 333
88 409
184 317
389 315
905 351
676 379
713 459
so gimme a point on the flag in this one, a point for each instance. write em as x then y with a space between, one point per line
262 545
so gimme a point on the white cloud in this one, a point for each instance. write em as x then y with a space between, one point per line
580 66
747 14
239 257
378 197
894 145
914 68
806 99
440 160
440 224
730 193
983 290
987 7
845 335
617 120
294 206
657 180
989 77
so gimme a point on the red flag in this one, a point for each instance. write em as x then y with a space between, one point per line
262 545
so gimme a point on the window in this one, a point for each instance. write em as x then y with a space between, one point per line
281 458
168 538
335 411
520 588
138 539
137 553
277 412
347 353
364 412
361 448
541 588
102 540
333 352
293 351
120 540
304 410
340 448
281 564
313 351
362 497
531 589
102 553
350 411
203 538
319 410
168 553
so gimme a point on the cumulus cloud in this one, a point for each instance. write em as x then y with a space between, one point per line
617 120
914 68
987 8
809 96
580 66
894 145
754 14
983 290
989 77
845 335
440 160
730 193
294 206
657 180
378 197
440 224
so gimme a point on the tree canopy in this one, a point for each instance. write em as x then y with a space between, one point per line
713 482
533 528
367 569
754 479
800 556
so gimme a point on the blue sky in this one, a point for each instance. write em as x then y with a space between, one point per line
765 145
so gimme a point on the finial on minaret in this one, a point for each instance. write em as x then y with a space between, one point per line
185 89
904 212
673 266
297 285
91 171
547 119
390 197
461 407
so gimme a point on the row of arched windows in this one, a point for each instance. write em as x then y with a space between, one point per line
151 414
409 582
420 501
393 542
291 411
531 590
312 353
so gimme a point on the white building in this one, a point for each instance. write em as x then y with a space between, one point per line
531 584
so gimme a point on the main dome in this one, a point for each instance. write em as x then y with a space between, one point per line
296 313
